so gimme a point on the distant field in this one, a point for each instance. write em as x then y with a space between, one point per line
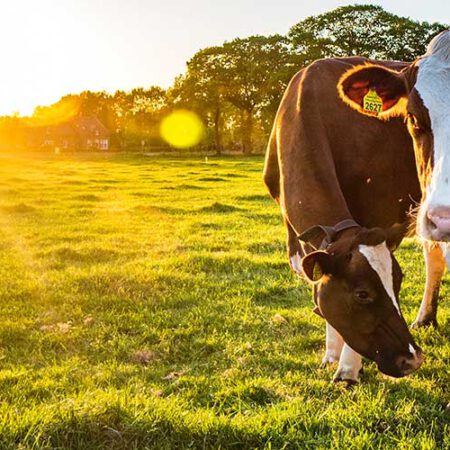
148 303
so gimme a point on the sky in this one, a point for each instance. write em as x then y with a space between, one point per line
50 48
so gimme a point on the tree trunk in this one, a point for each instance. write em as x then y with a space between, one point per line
217 135
247 132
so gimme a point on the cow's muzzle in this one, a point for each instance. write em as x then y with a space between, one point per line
410 363
402 365
437 223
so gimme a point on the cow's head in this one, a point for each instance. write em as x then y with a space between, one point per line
357 285
421 94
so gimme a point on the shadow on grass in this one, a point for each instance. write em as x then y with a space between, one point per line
212 179
114 426
255 198
234 175
74 182
90 255
242 268
281 296
264 248
220 208
19 208
190 186
87 198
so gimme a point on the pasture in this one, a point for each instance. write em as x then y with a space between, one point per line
147 303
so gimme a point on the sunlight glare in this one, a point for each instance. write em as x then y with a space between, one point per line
182 129
61 112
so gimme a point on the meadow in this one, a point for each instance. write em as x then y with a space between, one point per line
147 303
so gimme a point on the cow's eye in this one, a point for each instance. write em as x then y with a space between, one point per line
363 296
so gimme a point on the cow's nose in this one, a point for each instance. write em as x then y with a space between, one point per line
439 222
411 362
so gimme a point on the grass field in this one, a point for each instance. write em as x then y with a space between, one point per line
148 303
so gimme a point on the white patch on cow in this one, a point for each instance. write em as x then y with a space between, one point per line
379 258
296 263
350 364
334 343
412 350
440 46
435 267
433 86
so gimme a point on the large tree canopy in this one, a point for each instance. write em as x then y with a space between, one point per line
248 74
201 90
363 30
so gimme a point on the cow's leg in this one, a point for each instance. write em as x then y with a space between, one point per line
295 252
435 266
350 365
445 247
334 344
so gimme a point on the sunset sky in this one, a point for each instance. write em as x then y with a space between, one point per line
53 47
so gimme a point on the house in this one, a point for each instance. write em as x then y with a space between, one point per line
92 133
79 133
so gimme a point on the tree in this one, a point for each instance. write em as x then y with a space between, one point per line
201 89
249 74
363 30
139 113
256 71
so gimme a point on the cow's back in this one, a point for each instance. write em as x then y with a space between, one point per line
331 157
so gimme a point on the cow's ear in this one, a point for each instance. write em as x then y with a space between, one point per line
374 90
395 234
316 264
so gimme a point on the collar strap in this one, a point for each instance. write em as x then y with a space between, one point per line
330 233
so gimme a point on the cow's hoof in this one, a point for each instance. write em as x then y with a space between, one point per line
348 381
349 377
422 323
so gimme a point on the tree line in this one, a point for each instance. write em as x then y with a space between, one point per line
235 88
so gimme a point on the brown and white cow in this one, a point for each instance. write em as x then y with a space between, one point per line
420 93
327 164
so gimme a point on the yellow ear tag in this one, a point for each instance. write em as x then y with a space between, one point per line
372 102
317 272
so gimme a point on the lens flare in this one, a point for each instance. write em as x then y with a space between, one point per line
182 129
62 111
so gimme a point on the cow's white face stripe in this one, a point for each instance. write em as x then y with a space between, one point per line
433 86
379 258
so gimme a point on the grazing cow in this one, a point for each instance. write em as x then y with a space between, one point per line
343 180
420 93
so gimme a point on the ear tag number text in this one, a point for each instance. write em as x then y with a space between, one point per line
372 102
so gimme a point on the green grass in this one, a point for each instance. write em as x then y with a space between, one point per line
139 302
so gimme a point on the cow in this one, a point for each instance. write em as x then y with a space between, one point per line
345 182
420 94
